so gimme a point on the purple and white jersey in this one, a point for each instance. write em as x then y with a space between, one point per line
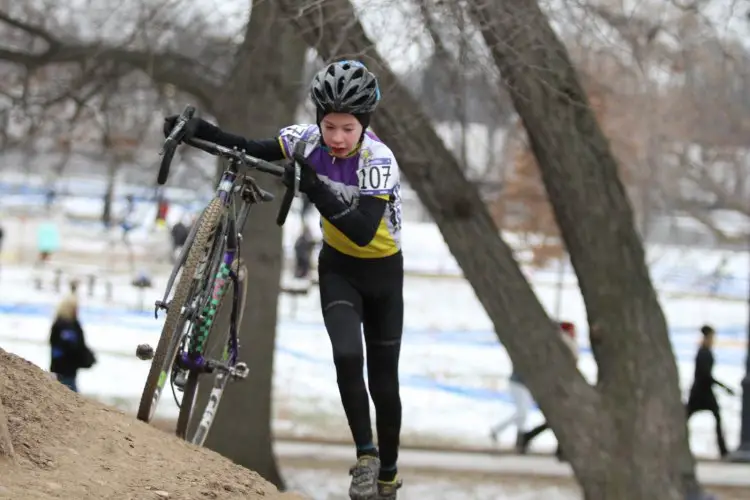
371 170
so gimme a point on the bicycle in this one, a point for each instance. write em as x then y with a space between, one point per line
210 269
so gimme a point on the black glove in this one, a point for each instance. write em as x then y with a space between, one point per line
309 180
197 128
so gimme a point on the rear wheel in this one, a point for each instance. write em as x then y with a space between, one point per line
171 332
216 347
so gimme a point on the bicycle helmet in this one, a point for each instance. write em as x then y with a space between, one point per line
345 87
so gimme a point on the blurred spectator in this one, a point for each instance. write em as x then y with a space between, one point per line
162 210
49 198
702 397
522 401
106 211
69 351
568 333
303 248
180 232
48 241
1 244
128 220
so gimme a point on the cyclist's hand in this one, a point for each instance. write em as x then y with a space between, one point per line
308 178
169 123
196 127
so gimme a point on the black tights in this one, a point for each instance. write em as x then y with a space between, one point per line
707 402
367 293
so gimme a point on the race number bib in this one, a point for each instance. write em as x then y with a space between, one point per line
378 176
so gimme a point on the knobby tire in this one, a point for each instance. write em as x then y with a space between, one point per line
166 350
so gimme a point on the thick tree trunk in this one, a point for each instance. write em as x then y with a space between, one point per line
259 98
638 377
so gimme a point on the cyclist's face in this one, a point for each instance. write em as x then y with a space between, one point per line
341 132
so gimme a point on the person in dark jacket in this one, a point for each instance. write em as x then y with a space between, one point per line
701 393
180 233
303 249
69 351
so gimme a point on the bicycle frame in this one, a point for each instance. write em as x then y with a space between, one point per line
228 187
225 192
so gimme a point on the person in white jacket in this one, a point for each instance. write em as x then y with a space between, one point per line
522 401
568 332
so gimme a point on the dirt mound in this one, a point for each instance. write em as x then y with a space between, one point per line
65 446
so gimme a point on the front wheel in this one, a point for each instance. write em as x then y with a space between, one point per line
171 332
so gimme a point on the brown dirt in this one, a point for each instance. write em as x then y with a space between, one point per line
69 447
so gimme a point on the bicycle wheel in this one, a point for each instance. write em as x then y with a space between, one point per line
166 350
216 347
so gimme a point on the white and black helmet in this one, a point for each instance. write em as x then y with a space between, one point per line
345 87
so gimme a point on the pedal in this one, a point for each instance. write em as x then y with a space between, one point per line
240 371
144 352
160 305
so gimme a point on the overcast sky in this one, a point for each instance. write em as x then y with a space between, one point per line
397 31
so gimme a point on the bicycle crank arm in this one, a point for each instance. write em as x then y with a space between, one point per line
239 371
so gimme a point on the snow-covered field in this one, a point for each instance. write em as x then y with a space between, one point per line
453 369
675 270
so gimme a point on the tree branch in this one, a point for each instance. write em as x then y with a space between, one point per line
163 67
30 29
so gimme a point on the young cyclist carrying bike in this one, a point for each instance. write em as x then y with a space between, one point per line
353 180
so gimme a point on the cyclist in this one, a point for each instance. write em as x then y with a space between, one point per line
353 180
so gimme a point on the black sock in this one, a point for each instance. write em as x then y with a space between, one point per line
387 474
370 451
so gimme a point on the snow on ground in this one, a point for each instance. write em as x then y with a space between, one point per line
451 359
321 485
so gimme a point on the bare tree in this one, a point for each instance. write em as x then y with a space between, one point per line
251 88
627 328
709 154
692 158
